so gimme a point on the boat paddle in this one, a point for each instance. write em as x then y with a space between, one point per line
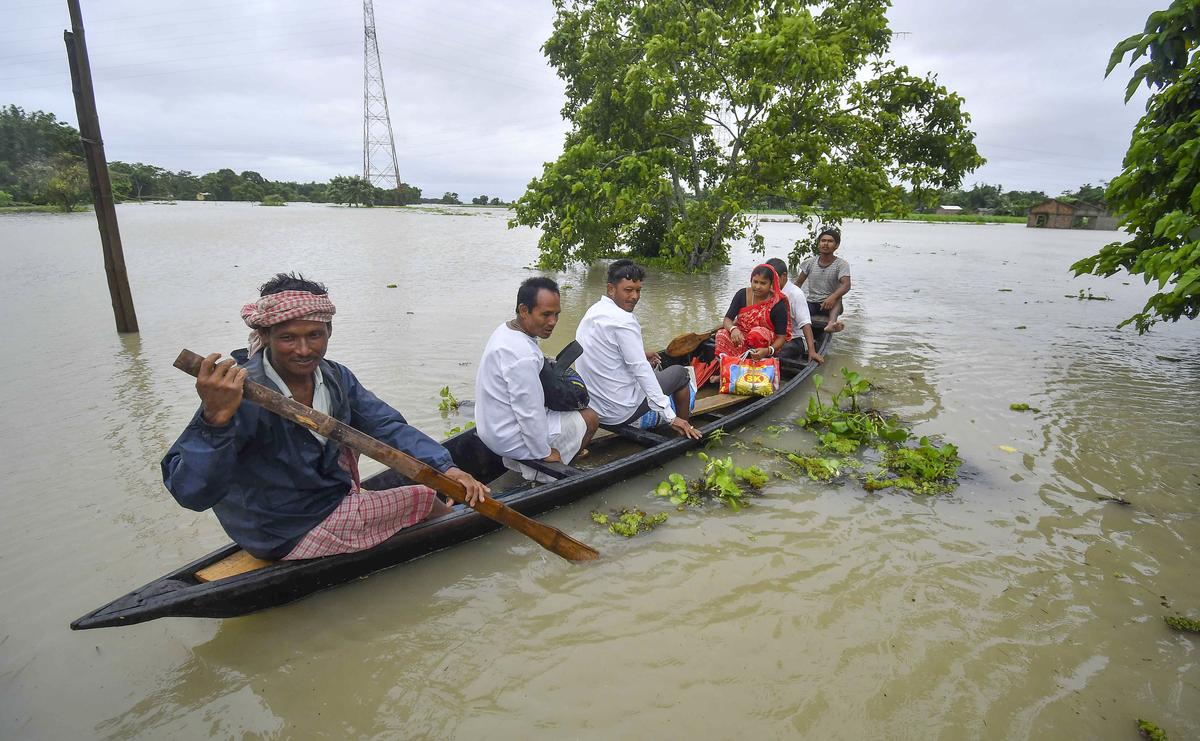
550 538
685 343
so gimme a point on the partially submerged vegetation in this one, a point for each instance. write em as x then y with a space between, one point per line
845 427
448 403
1151 731
1020 406
1187 625
629 522
720 481
1089 296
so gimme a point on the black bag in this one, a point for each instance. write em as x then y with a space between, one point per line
562 386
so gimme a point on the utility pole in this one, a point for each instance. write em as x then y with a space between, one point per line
380 166
97 165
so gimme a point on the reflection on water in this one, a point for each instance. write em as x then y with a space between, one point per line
1021 606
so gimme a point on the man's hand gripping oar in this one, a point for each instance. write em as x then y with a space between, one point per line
546 536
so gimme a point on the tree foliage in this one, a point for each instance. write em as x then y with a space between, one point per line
352 190
1157 193
686 113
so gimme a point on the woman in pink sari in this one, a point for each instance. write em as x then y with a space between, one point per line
759 319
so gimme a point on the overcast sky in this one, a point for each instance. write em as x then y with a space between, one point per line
276 86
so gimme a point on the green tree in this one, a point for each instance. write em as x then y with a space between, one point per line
183 185
219 184
28 138
496 201
246 190
451 198
145 181
351 190
1157 193
409 194
1017 202
686 114
1086 193
66 185
480 200
122 186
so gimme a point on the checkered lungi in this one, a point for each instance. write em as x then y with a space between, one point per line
364 519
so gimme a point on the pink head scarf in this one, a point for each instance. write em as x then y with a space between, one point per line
285 306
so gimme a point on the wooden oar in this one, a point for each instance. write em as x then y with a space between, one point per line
546 536
685 343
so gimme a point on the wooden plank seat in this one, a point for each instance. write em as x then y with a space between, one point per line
239 563
718 402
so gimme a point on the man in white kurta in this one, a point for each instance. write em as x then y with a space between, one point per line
615 366
510 406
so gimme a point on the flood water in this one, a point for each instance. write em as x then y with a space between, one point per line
1021 606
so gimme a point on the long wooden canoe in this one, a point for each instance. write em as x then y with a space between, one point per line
229 582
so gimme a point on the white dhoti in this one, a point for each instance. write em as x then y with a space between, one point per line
566 436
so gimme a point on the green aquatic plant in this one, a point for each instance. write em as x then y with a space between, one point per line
834 443
629 522
715 437
816 467
1021 406
721 480
448 402
459 428
1150 731
855 386
925 469
681 493
1187 625
1089 296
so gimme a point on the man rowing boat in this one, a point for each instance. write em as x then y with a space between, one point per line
279 490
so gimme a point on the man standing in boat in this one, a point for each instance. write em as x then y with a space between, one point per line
615 365
510 405
280 490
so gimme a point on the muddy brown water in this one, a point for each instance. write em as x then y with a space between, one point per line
1021 606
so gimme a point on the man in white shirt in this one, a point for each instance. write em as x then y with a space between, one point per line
794 349
510 405
615 366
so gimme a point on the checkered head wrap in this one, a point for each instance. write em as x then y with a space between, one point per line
277 308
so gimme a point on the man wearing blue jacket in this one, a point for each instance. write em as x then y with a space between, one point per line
280 490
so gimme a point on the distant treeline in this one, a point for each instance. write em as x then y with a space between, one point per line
41 163
983 199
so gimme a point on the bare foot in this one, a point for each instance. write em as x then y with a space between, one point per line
583 453
835 327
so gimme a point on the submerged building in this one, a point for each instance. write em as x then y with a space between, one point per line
1056 214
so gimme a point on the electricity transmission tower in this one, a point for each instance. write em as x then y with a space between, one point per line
380 167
